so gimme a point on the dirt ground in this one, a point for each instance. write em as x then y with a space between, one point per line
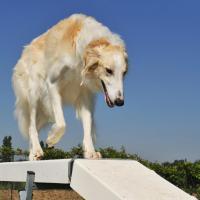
42 195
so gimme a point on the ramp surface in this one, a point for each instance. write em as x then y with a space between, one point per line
121 179
46 171
98 179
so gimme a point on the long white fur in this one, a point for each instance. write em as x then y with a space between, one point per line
38 96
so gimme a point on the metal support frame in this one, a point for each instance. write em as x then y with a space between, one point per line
28 193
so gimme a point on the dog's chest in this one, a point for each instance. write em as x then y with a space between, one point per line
69 87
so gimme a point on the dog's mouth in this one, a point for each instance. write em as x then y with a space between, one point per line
107 98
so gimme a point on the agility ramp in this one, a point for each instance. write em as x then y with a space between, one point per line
98 179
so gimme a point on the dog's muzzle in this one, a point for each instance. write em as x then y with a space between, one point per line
107 98
119 102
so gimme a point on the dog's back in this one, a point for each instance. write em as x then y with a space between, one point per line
31 70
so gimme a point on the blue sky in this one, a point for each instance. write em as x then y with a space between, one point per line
161 117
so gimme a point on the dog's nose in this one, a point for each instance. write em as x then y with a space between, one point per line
119 102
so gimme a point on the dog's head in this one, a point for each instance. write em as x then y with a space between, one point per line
107 64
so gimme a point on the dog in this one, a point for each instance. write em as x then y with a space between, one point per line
68 65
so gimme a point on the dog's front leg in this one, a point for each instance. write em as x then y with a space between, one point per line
85 111
58 127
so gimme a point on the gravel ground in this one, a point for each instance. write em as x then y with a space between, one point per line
42 195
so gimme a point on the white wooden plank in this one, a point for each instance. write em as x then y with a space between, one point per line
46 171
122 179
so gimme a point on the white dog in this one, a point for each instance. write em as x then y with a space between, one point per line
67 65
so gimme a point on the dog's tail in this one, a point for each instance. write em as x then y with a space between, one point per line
22 115
21 105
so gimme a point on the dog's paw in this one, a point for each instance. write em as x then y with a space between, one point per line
92 155
55 135
36 154
53 139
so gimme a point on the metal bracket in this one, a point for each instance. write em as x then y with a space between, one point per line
28 193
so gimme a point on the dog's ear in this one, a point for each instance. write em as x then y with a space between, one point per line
91 64
91 59
126 58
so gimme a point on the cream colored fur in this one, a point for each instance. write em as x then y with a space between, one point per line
66 65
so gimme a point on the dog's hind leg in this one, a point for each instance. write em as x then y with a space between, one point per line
58 127
85 107
35 149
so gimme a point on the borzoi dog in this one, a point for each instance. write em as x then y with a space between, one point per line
68 64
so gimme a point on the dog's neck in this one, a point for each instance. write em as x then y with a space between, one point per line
98 33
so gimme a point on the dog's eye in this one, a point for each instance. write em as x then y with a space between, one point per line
124 73
109 71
